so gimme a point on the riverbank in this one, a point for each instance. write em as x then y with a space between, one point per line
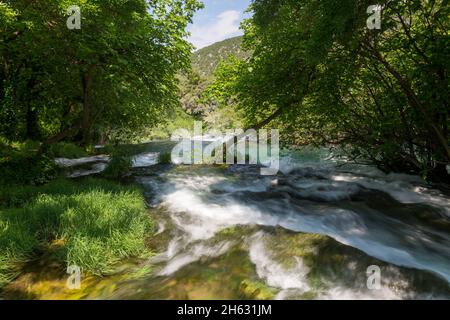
90 223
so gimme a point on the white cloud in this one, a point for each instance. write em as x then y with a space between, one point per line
225 26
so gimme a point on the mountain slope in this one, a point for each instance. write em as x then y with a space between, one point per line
206 60
204 63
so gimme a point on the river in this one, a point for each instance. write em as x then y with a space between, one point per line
310 232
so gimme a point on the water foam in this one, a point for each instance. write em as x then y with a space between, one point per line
198 210
273 273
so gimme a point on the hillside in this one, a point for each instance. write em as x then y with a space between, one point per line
206 60
204 63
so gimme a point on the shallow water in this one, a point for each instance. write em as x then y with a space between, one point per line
309 232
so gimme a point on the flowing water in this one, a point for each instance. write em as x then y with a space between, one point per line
310 232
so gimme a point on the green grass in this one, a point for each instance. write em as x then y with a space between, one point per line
91 223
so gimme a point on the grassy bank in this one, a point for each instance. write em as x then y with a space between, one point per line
91 223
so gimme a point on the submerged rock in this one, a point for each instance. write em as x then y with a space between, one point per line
87 166
256 290
67 163
83 167
145 160
95 169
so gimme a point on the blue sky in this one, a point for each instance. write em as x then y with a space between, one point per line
219 20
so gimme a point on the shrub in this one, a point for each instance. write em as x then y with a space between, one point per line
67 150
165 158
119 166
18 169
20 163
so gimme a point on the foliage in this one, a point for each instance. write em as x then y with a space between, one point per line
193 84
119 166
165 158
206 60
20 164
318 73
113 77
176 120
67 150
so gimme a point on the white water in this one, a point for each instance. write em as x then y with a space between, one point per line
312 194
274 274
309 197
201 215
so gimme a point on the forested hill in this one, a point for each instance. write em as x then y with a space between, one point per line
206 60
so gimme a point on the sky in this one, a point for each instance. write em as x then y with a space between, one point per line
219 20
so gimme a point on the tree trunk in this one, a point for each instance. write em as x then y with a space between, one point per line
31 117
32 126
86 123
64 133
414 101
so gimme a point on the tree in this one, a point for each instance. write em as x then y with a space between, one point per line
319 72
114 76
